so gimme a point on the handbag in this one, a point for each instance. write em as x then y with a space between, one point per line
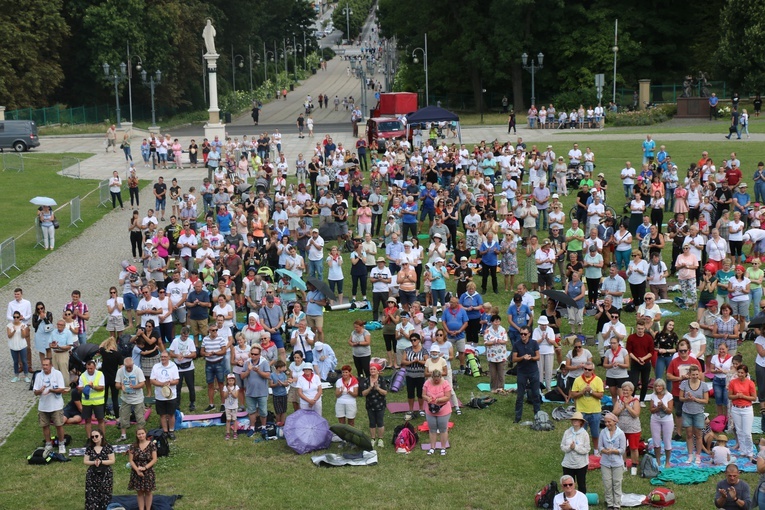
435 408
56 224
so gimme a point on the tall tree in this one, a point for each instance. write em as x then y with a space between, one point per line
31 37
740 57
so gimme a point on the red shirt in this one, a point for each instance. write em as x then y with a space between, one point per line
640 346
746 387
675 370
734 176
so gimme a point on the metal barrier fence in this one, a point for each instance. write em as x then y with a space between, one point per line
74 211
8 256
38 234
70 167
13 161
103 193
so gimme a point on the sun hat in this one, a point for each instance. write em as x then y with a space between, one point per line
577 416
167 392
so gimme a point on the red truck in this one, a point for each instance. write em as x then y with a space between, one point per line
384 124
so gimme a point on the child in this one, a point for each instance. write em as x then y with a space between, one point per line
721 453
279 384
230 403
486 315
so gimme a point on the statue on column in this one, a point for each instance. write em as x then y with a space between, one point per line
208 34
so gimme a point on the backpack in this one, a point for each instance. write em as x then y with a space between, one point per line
718 423
405 441
38 457
660 497
269 432
124 346
545 496
157 436
481 403
409 437
649 467
472 365
542 422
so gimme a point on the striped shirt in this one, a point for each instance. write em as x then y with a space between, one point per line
213 345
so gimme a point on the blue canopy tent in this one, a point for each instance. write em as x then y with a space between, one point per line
431 114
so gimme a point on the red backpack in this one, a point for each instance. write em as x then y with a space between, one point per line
660 497
405 440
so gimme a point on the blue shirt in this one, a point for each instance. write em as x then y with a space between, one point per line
394 250
313 308
409 213
531 347
713 100
520 315
743 200
198 313
467 300
490 257
454 320
279 391
428 199
649 147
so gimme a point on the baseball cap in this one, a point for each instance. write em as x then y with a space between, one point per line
712 304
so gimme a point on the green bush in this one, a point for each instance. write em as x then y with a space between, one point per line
572 99
641 117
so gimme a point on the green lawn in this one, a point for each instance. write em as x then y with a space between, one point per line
492 463
40 178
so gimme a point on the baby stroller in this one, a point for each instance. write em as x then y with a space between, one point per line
308 107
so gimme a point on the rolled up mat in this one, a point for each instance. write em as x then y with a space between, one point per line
592 498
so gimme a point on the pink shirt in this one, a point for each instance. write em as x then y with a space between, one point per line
438 390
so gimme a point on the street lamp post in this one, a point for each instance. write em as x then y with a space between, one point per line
138 67
236 61
257 62
298 48
425 61
153 81
533 68
273 56
116 79
348 13
615 50
358 68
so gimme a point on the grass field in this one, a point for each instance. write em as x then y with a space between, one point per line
492 463
40 178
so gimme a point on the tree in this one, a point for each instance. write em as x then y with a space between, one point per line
30 45
739 55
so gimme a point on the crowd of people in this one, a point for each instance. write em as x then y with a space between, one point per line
426 228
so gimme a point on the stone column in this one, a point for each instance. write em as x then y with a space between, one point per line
644 93
214 127
2 112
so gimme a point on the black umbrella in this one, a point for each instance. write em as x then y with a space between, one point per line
560 297
757 321
322 287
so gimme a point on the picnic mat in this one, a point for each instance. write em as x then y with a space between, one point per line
93 420
211 416
426 446
118 448
679 460
243 422
423 427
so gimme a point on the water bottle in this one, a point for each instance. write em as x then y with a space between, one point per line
472 395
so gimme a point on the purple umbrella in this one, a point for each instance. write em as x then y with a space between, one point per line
306 431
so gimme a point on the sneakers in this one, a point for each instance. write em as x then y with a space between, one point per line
122 438
443 452
380 443
642 404
431 451
48 449
236 436
171 435
222 408
192 407
209 408
408 416
459 411
422 413
228 436
62 449
27 379
15 379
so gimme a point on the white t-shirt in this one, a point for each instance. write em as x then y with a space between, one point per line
162 374
346 397
629 173
760 360
187 348
543 338
49 401
578 502
315 253
667 398
177 290
699 345
112 302
148 305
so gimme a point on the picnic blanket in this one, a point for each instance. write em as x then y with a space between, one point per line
679 460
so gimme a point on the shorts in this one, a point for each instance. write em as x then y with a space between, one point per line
55 418
257 404
545 279
166 407
633 440
438 423
459 344
280 404
376 418
740 307
215 371
315 322
89 411
292 396
115 323
616 382
348 410
198 327
693 420
407 297
414 385
71 412
159 204
231 415
593 420
130 301
179 315
277 339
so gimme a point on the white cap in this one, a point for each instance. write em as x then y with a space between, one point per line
555 195
543 320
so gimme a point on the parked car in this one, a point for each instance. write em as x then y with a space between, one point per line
19 135
382 129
